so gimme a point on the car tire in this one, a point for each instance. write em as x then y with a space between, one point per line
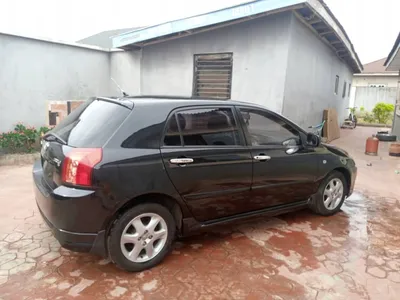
386 137
320 204
150 228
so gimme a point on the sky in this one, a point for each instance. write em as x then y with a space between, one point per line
372 25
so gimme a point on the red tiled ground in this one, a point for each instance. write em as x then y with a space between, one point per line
353 255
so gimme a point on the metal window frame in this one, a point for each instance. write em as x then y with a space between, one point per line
174 114
230 79
269 115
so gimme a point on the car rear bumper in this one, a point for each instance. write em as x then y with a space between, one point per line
65 210
77 241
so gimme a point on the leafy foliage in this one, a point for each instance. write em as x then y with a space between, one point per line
353 110
383 112
368 117
23 139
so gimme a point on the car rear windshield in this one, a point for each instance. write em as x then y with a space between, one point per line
91 124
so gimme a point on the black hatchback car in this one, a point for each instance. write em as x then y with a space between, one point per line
122 177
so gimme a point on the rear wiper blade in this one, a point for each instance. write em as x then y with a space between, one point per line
53 136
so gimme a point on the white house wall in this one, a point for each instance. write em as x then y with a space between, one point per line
310 80
35 71
368 97
259 49
125 70
363 81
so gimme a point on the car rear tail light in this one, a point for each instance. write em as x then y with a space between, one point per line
78 165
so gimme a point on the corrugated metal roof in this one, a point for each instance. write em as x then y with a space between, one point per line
204 20
314 13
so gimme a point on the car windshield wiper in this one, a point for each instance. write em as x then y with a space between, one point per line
52 136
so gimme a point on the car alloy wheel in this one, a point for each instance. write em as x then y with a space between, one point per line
333 193
144 237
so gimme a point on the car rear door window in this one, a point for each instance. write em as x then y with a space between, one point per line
264 128
203 127
172 135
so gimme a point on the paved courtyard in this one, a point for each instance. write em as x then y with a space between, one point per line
353 255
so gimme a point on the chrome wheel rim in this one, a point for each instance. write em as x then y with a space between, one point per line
144 237
333 193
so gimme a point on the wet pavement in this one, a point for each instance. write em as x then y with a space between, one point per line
352 255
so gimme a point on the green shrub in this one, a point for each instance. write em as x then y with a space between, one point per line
22 140
369 117
383 112
43 130
361 112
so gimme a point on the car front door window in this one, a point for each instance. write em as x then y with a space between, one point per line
267 129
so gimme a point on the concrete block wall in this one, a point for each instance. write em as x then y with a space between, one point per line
310 78
368 97
61 108
126 71
35 71
259 48
365 81
277 62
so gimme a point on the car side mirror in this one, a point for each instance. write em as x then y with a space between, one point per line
313 140
291 142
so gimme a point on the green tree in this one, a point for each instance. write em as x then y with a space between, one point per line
383 112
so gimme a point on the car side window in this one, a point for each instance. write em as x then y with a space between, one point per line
203 127
172 136
267 129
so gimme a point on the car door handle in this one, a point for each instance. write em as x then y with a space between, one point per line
181 161
262 157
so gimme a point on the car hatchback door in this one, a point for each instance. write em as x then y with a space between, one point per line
207 161
283 170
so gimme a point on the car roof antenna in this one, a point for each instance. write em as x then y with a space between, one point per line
122 91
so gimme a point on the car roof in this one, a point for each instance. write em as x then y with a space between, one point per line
185 101
176 102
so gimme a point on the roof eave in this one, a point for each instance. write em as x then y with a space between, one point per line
241 13
394 63
327 15
188 24
393 52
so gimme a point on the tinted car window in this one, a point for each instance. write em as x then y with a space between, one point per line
91 124
204 127
172 135
145 138
267 129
